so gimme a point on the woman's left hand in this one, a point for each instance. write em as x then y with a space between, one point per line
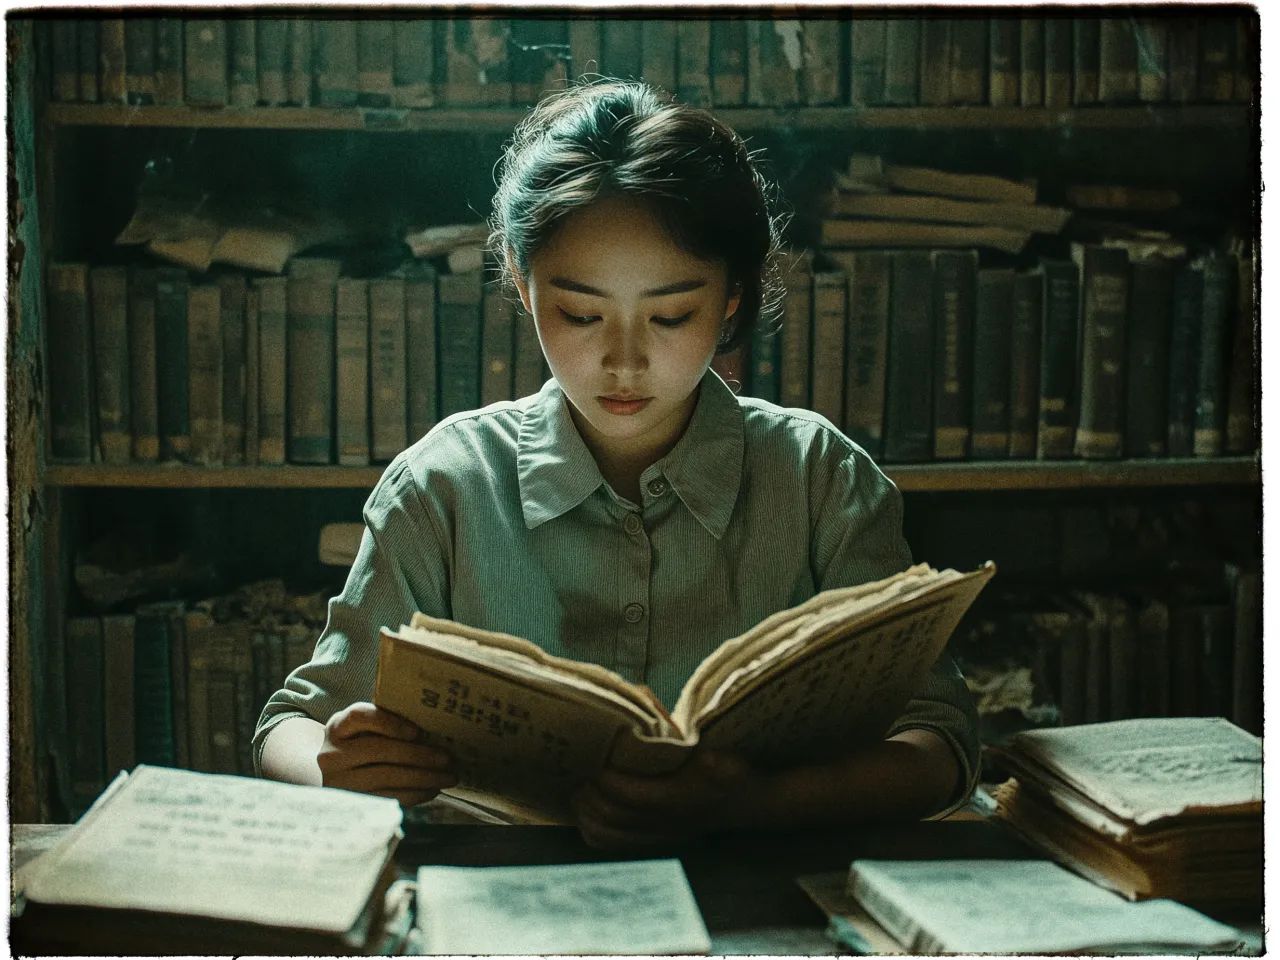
626 811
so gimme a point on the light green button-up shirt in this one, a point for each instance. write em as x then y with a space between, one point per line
499 518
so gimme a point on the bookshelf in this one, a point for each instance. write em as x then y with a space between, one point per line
78 199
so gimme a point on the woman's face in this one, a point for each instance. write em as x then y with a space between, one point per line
628 322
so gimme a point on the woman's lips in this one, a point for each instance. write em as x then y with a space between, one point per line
624 408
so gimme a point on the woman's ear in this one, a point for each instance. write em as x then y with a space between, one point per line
522 285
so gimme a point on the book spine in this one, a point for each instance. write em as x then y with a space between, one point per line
820 81
109 287
1215 659
245 719
526 57
178 684
152 689
954 280
763 380
204 360
475 59
1219 272
413 62
774 62
1184 663
728 63
87 60
222 722
1150 313
797 332
830 306
272 43
658 53
196 630
252 372
1151 37
375 51
1003 79
935 62
584 45
233 289
1247 655
1154 657
1245 87
1024 363
117 694
172 364
497 345
1184 57
1104 299
693 62
262 678
1057 62
458 330
69 348
1124 666
66 63
242 37
206 63
1184 341
140 60
992 335
336 62
1117 61
143 406
902 62
1031 59
908 385
85 710
1217 67
390 300
301 56
867 350
969 61
275 647
421 392
1243 388
528 362
1086 49
1073 651
170 69
272 366
621 48
1097 670
866 61
310 369
352 311
113 76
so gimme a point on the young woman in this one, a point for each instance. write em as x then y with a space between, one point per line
633 512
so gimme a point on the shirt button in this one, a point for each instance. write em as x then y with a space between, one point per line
633 612
657 487
633 524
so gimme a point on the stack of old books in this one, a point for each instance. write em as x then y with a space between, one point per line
176 862
1156 807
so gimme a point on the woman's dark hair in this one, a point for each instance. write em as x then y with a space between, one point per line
613 138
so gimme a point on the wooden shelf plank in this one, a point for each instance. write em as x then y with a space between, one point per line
924 477
502 119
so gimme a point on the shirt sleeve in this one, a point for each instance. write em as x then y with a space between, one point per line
857 538
401 567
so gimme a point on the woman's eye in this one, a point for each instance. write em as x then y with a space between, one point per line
672 321
575 319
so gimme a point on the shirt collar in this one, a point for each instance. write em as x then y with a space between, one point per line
557 471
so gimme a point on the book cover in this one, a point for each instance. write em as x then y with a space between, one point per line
176 611
242 37
796 339
728 63
389 300
170 61
109 290
497 346
1152 627
1184 657
622 48
1117 61
866 346
301 55
199 636
954 299
1031 62
1104 305
458 324
775 56
65 59
992 335
336 58
1147 392
830 307
252 374
1184 351
87 59
693 62
1086 43
375 62
117 694
1033 217
272 367
144 408
173 364
413 62
866 61
140 60
1151 37
1024 362
352 318
233 288
422 352
69 349
1218 285
205 63
245 716
1003 80
85 711
658 53
1058 62
204 361
311 335
902 62
820 81
273 60
1243 388
969 61
153 686
112 74
908 420
222 720
905 233
935 62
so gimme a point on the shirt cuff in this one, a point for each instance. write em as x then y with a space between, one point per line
968 771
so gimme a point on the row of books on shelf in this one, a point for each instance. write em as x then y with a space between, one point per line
177 684
905 61
923 355
1173 649
158 364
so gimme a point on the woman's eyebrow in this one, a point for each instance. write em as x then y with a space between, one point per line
573 286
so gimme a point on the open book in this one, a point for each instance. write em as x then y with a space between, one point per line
803 685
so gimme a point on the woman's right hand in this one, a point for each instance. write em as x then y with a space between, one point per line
370 750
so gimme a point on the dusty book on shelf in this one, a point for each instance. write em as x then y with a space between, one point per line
525 727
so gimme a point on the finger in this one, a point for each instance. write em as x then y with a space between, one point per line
366 718
409 798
